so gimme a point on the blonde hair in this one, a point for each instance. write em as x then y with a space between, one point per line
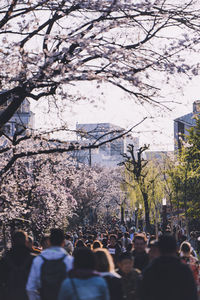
103 260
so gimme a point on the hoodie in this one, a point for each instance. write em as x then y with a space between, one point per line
34 283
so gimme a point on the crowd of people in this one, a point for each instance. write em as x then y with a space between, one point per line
100 264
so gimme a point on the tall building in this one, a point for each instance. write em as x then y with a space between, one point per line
108 154
23 118
183 123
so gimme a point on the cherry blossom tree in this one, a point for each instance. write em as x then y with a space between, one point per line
48 46
46 187
35 189
94 188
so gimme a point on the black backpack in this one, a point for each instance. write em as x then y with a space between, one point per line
53 272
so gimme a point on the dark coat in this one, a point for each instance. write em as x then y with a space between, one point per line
167 278
115 287
141 260
115 252
14 271
131 284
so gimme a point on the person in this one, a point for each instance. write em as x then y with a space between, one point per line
68 244
114 248
49 269
32 248
153 250
166 277
45 242
141 258
105 266
126 242
14 268
97 244
79 244
83 282
131 277
187 258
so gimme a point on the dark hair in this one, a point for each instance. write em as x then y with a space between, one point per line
105 242
19 238
30 239
152 238
80 244
68 236
167 244
185 247
44 240
113 236
140 236
84 259
97 244
153 243
56 236
125 255
104 261
126 235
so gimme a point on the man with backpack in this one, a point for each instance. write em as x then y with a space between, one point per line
14 269
49 269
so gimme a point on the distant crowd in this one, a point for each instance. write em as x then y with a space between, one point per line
101 263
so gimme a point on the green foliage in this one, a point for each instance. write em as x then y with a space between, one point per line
185 174
144 182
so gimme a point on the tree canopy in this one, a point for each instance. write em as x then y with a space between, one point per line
185 175
48 46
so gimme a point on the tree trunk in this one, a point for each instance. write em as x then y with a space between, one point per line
146 208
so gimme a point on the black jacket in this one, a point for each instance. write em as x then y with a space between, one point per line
141 260
115 287
167 278
14 271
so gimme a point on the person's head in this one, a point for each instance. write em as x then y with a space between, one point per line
29 242
103 260
45 242
105 242
97 244
84 259
153 250
125 262
19 238
68 237
80 244
140 243
167 245
126 235
151 238
113 240
185 249
57 237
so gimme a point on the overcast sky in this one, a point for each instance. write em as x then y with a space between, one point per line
115 107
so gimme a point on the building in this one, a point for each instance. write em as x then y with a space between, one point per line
183 123
23 118
108 154
158 156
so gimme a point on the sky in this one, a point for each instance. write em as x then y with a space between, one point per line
112 105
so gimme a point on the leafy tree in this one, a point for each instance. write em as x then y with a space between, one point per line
185 176
115 42
137 168
144 183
